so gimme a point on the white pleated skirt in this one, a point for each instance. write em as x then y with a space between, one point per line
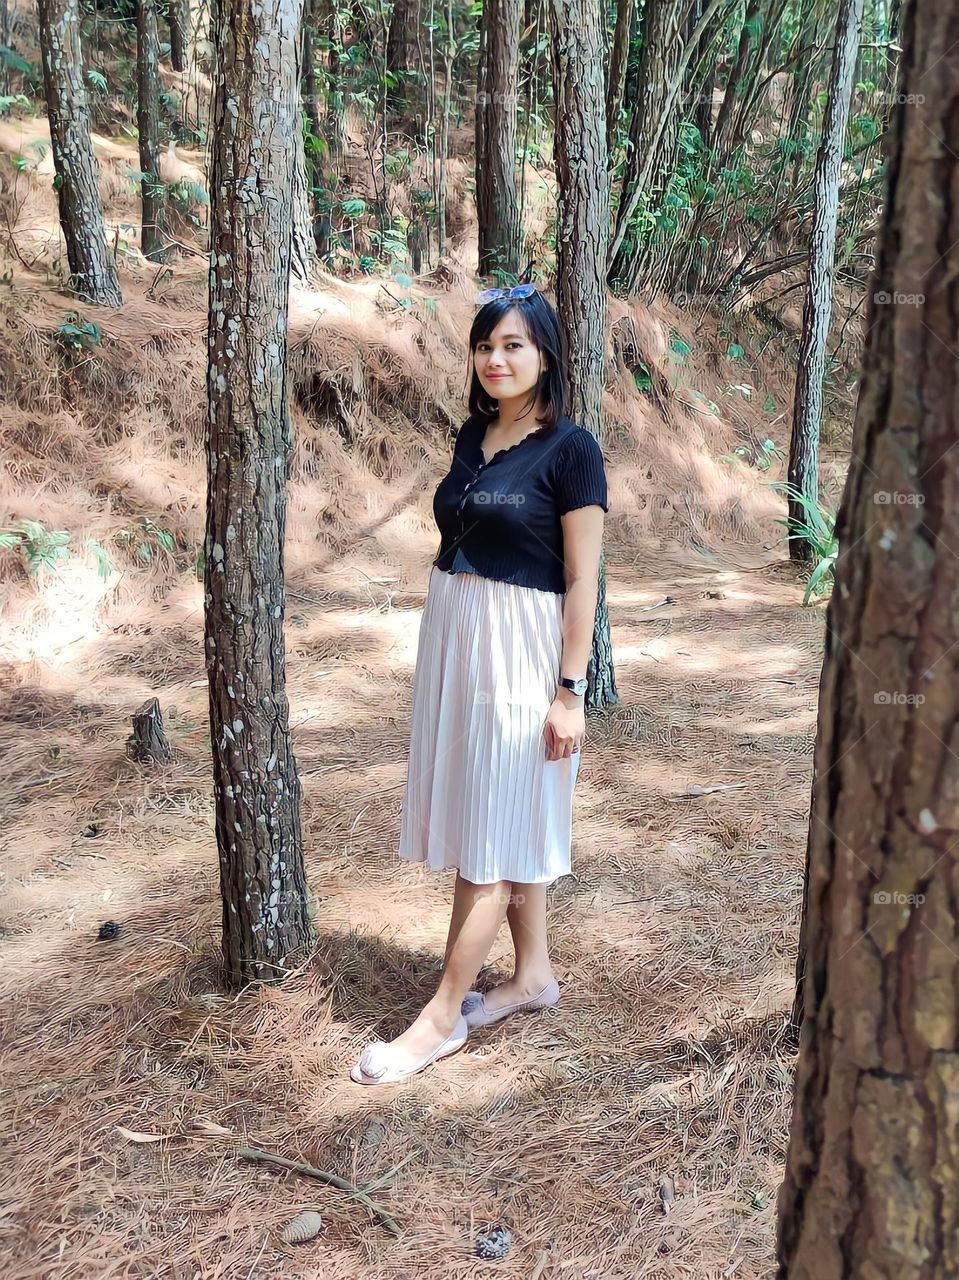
481 796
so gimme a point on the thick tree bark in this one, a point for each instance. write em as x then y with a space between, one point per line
255 120
582 232
93 269
803 472
178 14
152 193
497 204
871 1191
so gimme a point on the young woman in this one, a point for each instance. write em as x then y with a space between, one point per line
498 689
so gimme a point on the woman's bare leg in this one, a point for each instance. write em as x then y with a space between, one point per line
526 915
478 911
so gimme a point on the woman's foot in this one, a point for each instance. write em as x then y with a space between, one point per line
516 990
436 1028
517 995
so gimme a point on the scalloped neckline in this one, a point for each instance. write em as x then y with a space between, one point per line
509 448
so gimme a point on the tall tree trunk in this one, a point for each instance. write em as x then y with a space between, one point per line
303 245
152 193
178 14
735 81
316 161
871 1191
497 206
257 791
4 44
582 233
667 49
622 35
803 473
93 269
449 52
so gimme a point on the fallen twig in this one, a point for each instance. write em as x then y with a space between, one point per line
334 1180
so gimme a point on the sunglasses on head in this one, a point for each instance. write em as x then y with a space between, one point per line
517 291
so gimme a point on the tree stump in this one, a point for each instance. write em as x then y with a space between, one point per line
147 743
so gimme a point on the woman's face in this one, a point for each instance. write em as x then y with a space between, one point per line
508 363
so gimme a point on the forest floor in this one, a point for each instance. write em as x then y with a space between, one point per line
636 1131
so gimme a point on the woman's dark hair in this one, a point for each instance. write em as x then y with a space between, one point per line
542 326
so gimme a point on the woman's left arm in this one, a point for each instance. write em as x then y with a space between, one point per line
582 545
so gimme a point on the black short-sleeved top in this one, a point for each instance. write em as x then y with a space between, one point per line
501 519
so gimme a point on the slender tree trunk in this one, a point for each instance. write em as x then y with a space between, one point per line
735 81
317 160
803 471
625 11
871 1191
497 206
303 251
178 14
93 269
257 791
449 52
152 193
582 233
4 44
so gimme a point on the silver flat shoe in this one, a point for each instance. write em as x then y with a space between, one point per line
475 1012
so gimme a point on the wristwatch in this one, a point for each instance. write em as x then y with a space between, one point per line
576 686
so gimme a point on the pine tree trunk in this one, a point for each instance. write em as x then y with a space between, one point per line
152 195
497 204
803 472
93 269
582 233
4 44
257 792
653 131
622 35
316 162
178 14
303 244
871 1191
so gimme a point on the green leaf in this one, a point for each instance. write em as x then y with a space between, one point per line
99 553
97 78
735 351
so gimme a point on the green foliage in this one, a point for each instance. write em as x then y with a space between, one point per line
353 207
97 79
101 556
818 527
759 456
77 334
42 548
642 378
147 538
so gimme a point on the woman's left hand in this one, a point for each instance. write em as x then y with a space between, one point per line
565 728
